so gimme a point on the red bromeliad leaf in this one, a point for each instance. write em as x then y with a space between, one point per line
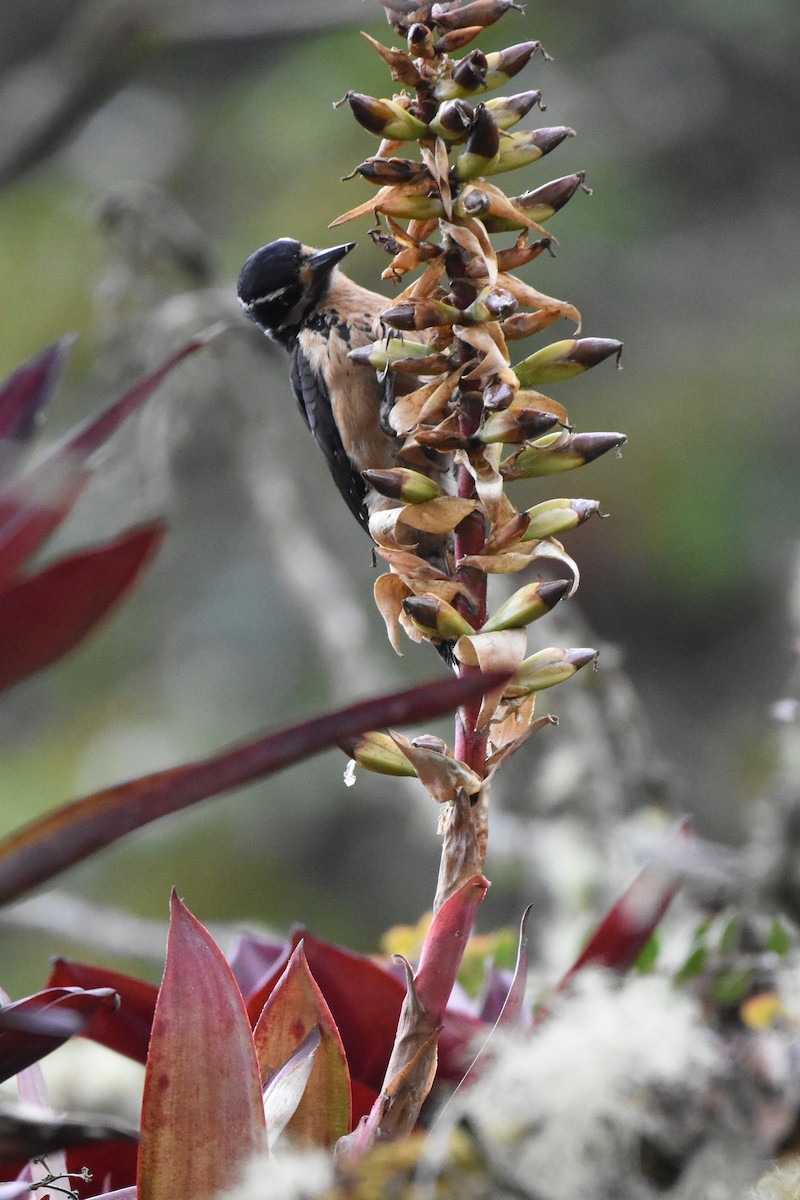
31 1028
25 394
111 1164
37 852
295 1007
444 945
202 1113
44 616
128 1030
620 937
33 505
364 1001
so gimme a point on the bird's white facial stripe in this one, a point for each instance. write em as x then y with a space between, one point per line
267 299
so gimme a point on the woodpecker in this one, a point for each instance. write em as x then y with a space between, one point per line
301 300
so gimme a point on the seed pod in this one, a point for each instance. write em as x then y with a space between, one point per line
385 118
481 149
453 121
521 149
526 605
400 65
435 618
556 452
512 425
562 360
553 517
401 483
377 752
508 110
480 12
550 666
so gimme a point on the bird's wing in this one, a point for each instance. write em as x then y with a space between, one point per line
312 396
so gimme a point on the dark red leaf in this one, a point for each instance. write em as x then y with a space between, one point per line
128 1029
40 850
253 959
45 615
25 394
111 1164
33 505
26 1133
33 1027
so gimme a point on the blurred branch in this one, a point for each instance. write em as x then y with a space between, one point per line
46 99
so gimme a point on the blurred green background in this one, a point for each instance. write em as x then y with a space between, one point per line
258 610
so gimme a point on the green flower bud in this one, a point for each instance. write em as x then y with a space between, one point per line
556 452
539 204
562 360
386 118
381 355
436 618
508 110
521 149
401 483
511 425
377 752
557 516
549 667
526 605
420 314
453 121
481 149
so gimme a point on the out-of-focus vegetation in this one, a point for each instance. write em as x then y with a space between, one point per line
687 250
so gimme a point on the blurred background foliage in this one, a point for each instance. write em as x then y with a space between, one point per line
145 150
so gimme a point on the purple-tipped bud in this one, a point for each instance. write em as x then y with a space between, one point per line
520 149
557 516
377 752
556 452
508 110
480 12
385 118
436 618
526 605
420 314
497 396
387 353
387 171
453 121
551 666
513 425
401 483
563 360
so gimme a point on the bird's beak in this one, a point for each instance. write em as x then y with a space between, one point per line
325 260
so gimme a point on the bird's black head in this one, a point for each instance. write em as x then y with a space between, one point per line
282 284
